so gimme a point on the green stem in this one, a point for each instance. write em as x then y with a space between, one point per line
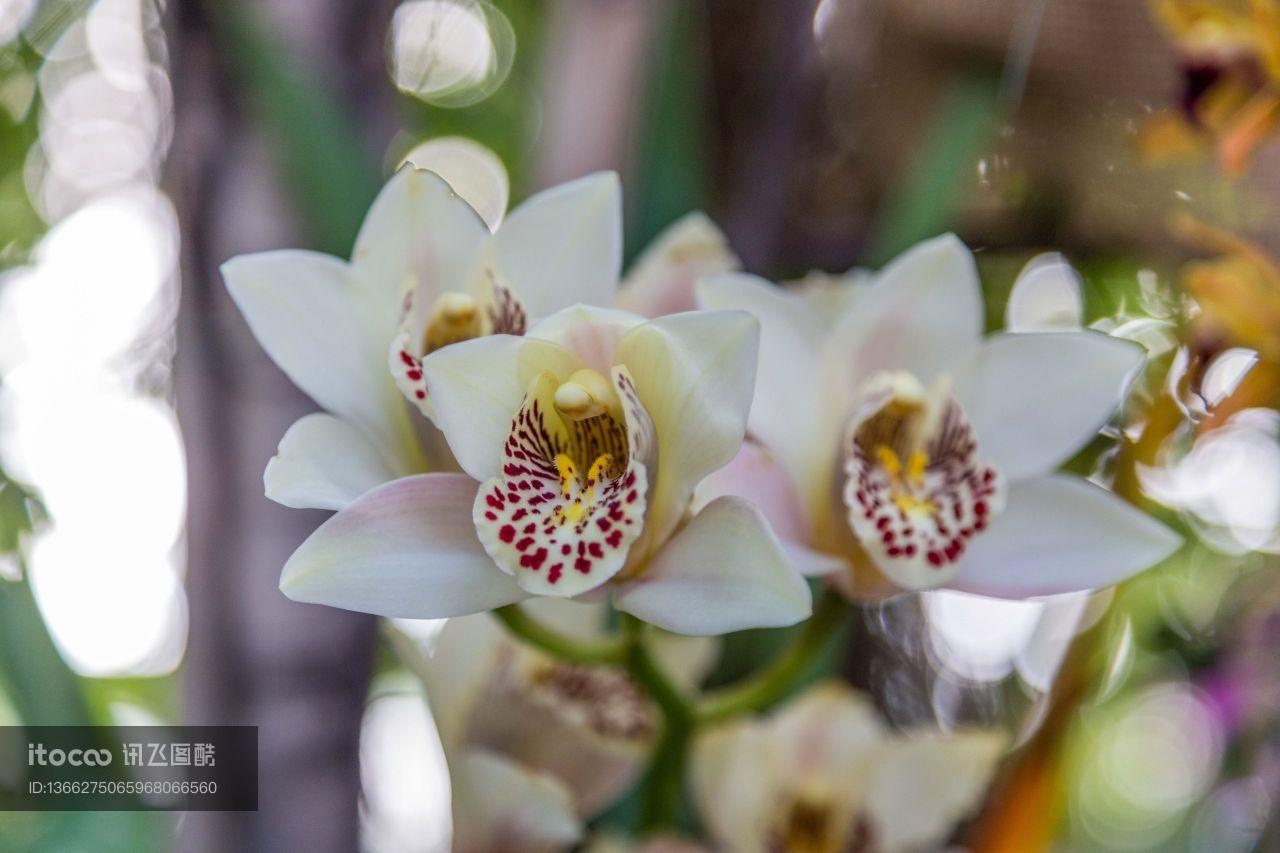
612 650
775 681
662 795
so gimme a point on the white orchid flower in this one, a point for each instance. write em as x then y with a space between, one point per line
663 279
426 271
823 775
889 428
582 444
536 745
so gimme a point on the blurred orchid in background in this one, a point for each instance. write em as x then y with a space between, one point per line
536 745
823 774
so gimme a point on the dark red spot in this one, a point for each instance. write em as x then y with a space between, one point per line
420 394
415 375
582 565
507 533
631 496
594 550
565 549
406 358
614 538
524 543
553 573
934 558
604 524
980 508
491 515
534 561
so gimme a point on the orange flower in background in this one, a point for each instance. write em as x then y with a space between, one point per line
1237 292
1230 53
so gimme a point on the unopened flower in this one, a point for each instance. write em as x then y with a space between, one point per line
582 443
426 272
824 775
898 438
663 278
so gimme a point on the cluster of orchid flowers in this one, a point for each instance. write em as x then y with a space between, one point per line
508 428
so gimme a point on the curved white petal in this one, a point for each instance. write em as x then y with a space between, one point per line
454 669
923 785
321 330
1045 297
725 571
796 413
736 784
407 548
418 230
501 807
474 172
324 462
563 245
477 387
1062 534
694 373
662 279
922 313
1035 399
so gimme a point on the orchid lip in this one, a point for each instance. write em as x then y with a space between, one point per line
917 491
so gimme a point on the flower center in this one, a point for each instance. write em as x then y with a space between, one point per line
454 317
571 496
916 491
814 823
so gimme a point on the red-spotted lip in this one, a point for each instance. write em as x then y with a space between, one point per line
916 525
557 530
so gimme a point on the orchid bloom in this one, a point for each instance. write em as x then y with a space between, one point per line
889 439
426 271
535 745
824 775
582 444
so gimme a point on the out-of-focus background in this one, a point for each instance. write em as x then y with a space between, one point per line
142 143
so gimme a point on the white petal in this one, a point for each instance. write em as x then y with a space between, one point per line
662 279
725 571
736 785
923 785
454 669
499 806
796 413
407 548
563 245
756 476
1035 399
828 736
325 463
922 313
1045 297
477 387
589 332
320 329
417 231
473 171
694 373
1062 534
